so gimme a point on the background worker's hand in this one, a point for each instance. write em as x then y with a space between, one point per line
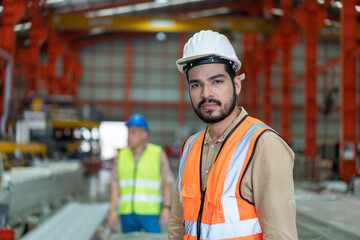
112 220
164 216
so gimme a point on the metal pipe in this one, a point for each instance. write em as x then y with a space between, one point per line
8 73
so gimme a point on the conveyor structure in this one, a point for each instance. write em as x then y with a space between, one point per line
76 221
29 190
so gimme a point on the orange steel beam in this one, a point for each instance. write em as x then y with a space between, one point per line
310 17
348 44
182 84
128 76
13 11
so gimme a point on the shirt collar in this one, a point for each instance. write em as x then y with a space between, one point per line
241 115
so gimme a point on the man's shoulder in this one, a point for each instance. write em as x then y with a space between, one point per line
154 146
272 140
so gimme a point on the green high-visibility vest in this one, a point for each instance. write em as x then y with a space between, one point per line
140 184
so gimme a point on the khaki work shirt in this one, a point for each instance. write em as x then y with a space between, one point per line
268 183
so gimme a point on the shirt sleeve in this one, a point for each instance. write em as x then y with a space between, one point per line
270 179
166 174
176 228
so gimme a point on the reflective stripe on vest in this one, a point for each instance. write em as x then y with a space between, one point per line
226 215
140 184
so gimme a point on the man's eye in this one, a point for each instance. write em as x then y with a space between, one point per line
218 81
194 85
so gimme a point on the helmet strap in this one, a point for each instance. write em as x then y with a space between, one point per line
208 61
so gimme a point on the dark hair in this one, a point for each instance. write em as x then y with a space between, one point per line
228 68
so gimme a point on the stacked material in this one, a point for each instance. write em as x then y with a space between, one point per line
33 189
75 221
67 177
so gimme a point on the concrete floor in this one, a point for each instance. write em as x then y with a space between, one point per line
321 215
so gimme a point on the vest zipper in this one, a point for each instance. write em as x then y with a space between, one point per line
198 223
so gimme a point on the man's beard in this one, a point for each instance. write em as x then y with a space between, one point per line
224 112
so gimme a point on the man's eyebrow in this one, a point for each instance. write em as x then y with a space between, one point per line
220 75
194 81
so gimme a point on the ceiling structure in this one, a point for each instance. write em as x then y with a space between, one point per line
94 17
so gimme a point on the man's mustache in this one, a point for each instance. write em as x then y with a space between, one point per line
208 100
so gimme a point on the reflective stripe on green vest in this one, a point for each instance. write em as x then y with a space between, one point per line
140 184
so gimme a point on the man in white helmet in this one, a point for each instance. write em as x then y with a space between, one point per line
235 177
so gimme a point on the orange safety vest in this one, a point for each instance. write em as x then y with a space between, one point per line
220 212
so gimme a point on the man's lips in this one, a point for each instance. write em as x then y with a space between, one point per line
209 106
209 103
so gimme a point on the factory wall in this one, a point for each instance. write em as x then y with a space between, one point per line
155 81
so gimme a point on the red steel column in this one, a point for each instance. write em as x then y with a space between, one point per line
269 56
67 72
311 18
246 84
55 50
254 74
128 76
285 38
182 84
12 12
77 72
348 146
37 34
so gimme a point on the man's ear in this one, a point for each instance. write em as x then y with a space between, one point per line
237 83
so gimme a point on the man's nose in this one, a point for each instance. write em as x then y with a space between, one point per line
207 92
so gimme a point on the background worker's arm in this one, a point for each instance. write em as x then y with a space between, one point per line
167 181
114 196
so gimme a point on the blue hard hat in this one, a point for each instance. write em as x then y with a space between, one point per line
137 120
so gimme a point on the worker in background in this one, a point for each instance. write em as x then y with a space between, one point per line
141 183
235 178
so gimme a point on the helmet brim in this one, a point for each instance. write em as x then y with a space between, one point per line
182 62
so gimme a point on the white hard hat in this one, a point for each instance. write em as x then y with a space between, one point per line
208 44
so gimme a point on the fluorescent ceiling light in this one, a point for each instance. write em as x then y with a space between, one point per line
106 12
137 7
54 1
145 6
337 4
357 8
20 27
160 36
97 30
207 13
161 23
277 11
333 23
